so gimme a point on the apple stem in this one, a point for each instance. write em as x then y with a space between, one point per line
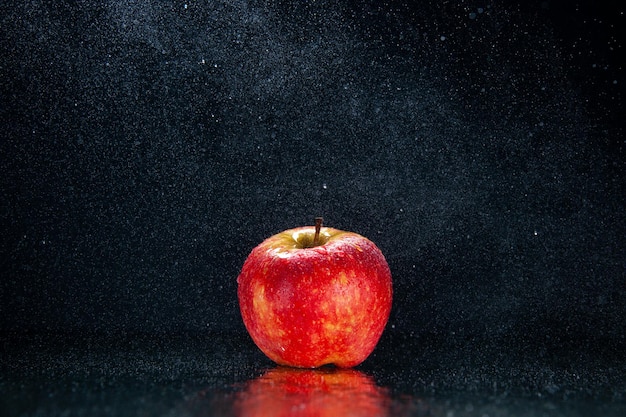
318 227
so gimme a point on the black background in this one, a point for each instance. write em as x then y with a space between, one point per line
147 147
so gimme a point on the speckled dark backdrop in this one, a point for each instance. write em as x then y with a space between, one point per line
146 147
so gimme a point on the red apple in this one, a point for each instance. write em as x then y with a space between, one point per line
313 296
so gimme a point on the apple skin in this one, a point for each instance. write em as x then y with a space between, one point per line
307 306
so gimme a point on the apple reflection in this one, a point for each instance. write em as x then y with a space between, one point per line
312 392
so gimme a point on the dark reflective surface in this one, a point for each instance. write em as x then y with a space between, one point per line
225 375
